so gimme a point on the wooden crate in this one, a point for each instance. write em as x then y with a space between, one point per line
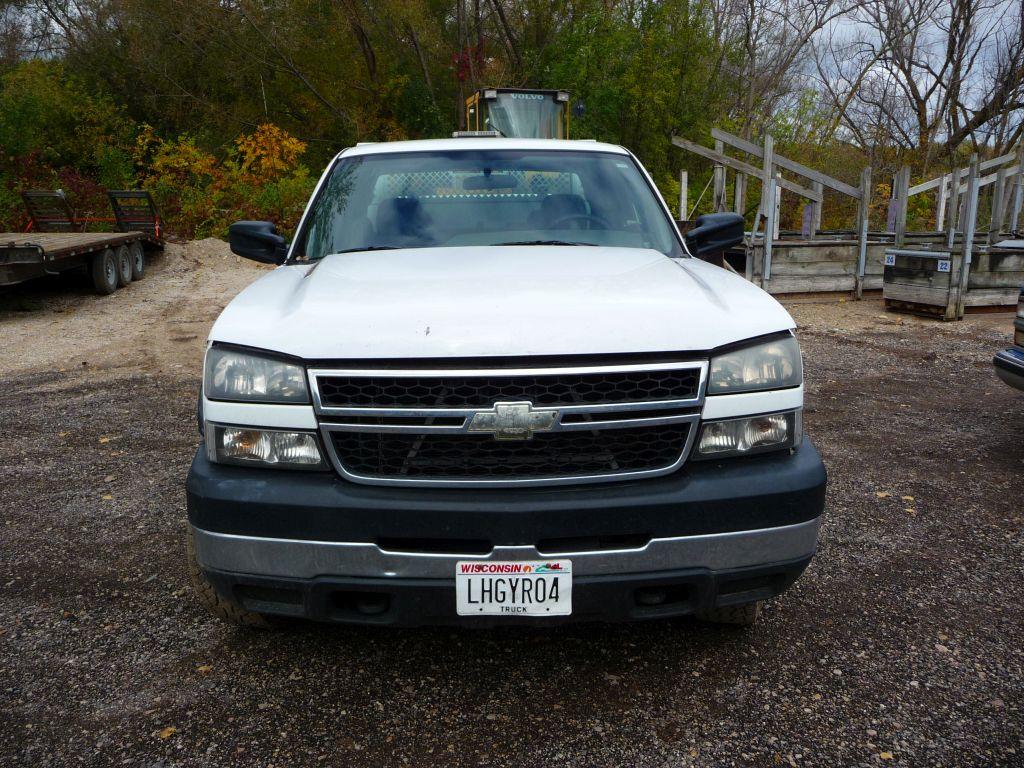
816 266
995 277
922 284
929 282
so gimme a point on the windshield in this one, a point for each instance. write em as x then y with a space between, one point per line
525 115
485 198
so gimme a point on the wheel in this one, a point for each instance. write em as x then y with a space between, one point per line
138 260
214 603
124 265
104 272
745 615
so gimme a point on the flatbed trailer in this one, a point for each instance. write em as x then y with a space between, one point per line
56 240
112 258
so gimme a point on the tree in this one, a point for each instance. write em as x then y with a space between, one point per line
773 38
927 75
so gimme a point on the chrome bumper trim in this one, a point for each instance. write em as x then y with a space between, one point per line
324 410
292 558
632 415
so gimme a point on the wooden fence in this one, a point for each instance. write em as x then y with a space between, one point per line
814 261
938 273
945 272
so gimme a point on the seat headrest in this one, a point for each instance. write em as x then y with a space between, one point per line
401 217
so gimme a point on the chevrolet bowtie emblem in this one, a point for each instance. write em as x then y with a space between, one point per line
513 421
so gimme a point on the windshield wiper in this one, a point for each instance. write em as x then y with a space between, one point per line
369 248
542 242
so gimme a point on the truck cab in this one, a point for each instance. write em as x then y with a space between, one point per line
489 383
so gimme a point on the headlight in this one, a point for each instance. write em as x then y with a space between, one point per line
262 447
771 365
750 434
234 375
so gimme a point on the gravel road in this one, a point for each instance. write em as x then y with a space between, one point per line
901 644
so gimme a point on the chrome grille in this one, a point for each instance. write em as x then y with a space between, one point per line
499 427
482 391
474 457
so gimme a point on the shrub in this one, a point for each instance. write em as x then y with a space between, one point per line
259 178
57 135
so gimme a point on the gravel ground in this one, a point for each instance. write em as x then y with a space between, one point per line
900 645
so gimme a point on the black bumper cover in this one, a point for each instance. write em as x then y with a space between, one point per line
704 497
420 602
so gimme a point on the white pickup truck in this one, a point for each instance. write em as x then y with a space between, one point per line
491 383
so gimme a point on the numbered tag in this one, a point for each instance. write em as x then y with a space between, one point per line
944 265
890 259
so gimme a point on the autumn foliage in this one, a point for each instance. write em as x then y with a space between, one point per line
57 137
260 177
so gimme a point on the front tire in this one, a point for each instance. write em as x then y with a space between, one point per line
745 615
214 603
104 272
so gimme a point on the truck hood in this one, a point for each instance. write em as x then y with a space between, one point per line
497 302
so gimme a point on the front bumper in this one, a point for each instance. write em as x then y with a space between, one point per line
1009 365
312 545
419 602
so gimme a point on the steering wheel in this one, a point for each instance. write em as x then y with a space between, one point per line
601 221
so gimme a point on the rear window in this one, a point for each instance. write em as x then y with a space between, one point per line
484 198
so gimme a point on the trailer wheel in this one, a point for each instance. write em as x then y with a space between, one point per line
745 615
215 604
124 265
138 260
104 272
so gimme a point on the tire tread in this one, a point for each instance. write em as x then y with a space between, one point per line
140 270
214 603
98 272
123 264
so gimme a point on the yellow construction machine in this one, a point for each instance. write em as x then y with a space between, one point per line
520 113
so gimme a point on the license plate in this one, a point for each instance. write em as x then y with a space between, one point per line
521 588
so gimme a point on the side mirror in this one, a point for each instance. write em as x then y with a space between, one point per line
257 240
714 234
